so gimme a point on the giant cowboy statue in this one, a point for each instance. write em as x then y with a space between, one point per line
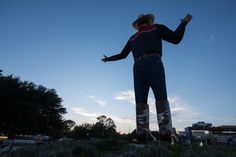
148 71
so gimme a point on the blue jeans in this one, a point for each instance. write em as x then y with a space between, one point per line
149 72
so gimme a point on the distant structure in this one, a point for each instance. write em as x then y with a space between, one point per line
225 134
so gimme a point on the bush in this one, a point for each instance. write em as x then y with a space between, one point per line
82 150
110 145
119 148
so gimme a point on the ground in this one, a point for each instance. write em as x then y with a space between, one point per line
121 148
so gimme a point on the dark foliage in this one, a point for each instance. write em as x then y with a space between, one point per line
104 128
85 151
119 148
27 108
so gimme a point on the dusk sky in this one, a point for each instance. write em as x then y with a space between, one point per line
59 44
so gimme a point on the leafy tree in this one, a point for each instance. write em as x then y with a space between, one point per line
101 119
69 125
110 124
82 131
27 108
107 122
103 128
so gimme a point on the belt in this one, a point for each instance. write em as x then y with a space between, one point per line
148 54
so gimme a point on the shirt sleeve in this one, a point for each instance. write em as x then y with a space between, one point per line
124 53
173 36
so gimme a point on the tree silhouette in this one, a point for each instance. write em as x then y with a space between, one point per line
69 124
27 108
103 128
110 124
107 122
82 131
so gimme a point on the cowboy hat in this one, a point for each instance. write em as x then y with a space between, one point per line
143 18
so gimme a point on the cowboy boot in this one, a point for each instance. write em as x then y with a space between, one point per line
174 136
164 120
142 121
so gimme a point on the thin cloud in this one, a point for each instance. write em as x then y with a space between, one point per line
123 120
178 106
126 96
94 115
97 100
182 113
83 112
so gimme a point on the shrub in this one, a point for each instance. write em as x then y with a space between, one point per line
82 150
119 148
110 145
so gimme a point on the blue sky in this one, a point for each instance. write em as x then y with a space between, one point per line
59 44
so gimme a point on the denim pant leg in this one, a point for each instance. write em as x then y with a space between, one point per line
148 73
158 85
157 78
141 83
141 88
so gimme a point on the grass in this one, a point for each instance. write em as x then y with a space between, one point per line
117 148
